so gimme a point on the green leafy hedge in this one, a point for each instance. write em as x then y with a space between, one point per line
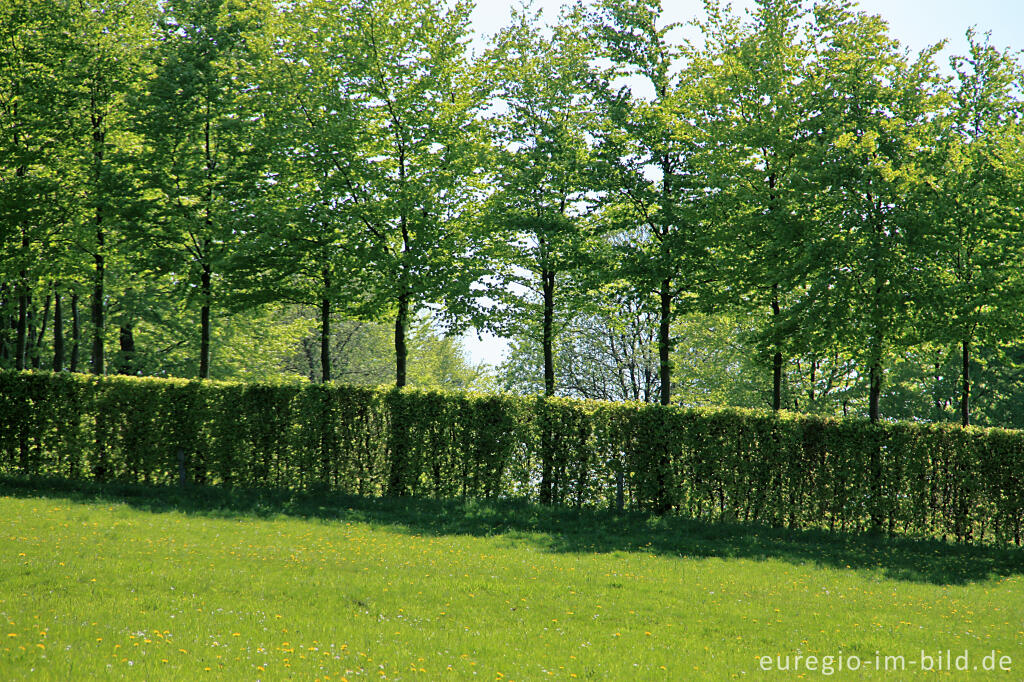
796 470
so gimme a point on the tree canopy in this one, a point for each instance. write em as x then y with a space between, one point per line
783 208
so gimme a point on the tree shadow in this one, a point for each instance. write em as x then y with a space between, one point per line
564 530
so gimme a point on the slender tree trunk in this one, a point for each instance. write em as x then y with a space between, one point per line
548 284
662 501
204 341
7 324
96 361
875 459
811 391
325 330
126 342
76 333
30 332
58 332
401 318
21 334
965 396
875 391
204 322
20 344
875 378
401 352
665 342
37 345
777 358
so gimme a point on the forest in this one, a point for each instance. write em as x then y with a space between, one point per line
783 209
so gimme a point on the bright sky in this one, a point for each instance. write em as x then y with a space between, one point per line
916 23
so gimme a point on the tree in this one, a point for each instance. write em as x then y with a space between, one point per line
113 37
873 127
197 139
978 217
316 195
414 94
37 101
542 183
759 120
648 149
542 157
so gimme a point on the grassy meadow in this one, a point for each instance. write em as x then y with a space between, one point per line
158 584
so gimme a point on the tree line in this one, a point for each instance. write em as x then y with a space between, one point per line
849 208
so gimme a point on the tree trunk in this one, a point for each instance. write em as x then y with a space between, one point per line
665 342
325 330
401 353
30 333
126 339
96 364
204 341
76 333
875 459
20 344
204 322
810 393
58 332
777 358
37 345
22 332
875 391
7 324
96 360
548 283
965 396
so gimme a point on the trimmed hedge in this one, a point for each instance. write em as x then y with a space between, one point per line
739 465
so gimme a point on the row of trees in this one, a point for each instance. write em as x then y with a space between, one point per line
843 203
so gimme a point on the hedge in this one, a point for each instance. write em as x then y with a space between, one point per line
801 471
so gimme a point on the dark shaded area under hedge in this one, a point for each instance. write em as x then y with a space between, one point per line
558 529
715 464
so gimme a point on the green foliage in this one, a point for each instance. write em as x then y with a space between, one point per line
727 464
792 190
198 161
543 184
361 353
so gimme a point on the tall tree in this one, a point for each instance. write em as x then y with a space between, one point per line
873 130
542 178
197 137
36 105
980 222
315 195
113 37
411 82
759 117
649 146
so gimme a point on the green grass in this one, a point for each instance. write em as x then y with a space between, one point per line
144 583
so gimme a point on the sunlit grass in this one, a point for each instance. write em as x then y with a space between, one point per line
155 584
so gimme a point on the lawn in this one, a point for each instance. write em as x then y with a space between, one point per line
144 583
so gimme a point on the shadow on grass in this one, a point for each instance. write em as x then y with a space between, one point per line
565 530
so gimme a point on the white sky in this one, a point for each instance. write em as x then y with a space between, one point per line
916 23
